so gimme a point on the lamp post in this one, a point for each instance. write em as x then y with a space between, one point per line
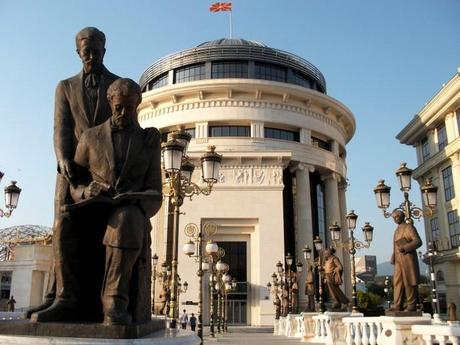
154 278
352 245
178 185
318 264
428 258
213 257
12 193
410 211
198 236
387 290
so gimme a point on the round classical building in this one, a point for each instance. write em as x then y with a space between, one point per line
283 174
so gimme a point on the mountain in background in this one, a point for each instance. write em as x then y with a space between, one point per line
386 268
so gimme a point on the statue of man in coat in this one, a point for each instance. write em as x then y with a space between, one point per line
80 103
121 162
406 275
333 271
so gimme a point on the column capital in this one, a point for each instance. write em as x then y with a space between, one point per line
302 166
331 176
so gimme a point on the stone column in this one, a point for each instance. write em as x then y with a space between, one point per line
304 225
451 126
335 212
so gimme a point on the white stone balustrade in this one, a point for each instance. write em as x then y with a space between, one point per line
329 328
363 330
438 334
299 326
383 330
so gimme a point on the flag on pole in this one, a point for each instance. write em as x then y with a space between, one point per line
220 6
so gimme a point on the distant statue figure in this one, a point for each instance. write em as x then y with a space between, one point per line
452 312
277 304
162 303
310 288
284 302
11 303
294 293
333 271
406 275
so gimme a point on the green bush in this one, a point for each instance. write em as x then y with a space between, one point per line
368 300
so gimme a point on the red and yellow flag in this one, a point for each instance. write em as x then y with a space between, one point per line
220 6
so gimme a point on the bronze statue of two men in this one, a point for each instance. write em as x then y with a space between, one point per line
108 187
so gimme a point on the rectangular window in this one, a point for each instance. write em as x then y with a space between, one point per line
425 149
269 72
454 228
442 136
435 233
229 131
229 69
189 73
321 214
282 134
448 181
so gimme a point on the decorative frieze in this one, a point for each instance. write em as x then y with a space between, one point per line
244 175
151 113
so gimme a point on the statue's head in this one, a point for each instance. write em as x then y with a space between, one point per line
398 216
124 96
91 48
329 252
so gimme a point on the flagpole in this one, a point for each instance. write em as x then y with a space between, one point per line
230 19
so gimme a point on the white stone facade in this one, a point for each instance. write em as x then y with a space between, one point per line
434 132
248 203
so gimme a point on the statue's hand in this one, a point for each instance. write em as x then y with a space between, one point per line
66 169
95 188
402 250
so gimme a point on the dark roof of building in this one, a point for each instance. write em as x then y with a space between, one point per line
233 42
232 49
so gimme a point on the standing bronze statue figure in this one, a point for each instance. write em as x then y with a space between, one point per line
406 275
123 161
310 288
294 292
333 271
80 103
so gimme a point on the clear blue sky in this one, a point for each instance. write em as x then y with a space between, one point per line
383 59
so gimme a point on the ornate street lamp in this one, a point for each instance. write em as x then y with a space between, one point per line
179 185
318 243
197 237
12 193
214 254
352 245
404 175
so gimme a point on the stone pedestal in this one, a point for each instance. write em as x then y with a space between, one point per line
163 337
282 326
276 326
308 328
24 327
397 330
291 325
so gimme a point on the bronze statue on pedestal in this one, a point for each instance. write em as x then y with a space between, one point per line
333 271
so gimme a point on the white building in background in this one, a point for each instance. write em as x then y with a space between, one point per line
25 262
434 132
283 175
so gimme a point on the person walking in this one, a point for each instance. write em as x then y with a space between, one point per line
193 322
184 319
11 302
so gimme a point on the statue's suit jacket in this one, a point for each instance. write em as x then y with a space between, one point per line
140 172
72 117
406 235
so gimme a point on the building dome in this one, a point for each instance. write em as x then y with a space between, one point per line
232 58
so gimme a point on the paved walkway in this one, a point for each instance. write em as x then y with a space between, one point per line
237 338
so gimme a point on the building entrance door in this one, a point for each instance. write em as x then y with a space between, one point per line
236 312
237 301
